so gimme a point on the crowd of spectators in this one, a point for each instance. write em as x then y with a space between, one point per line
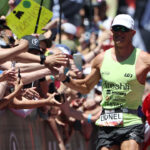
31 68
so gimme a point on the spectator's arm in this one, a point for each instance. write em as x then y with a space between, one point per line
105 36
6 100
52 24
9 75
3 86
35 75
9 53
53 125
29 67
25 67
50 61
6 65
27 104
92 54
71 112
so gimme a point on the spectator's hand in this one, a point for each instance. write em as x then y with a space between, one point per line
97 115
18 85
75 73
52 100
30 93
104 36
56 60
9 76
60 73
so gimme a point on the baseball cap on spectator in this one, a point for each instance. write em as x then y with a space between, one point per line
34 43
69 28
123 20
65 49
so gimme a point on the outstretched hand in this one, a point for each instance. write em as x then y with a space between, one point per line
106 34
59 73
52 100
31 93
96 115
56 60
18 84
9 76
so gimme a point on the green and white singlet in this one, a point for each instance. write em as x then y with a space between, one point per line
120 87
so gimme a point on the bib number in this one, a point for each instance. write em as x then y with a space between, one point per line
111 119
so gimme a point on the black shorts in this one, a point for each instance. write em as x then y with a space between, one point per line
109 136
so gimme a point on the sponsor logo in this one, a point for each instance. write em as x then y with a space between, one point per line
35 42
115 93
108 92
132 135
115 86
118 104
129 75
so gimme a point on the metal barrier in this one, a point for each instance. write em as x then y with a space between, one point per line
30 133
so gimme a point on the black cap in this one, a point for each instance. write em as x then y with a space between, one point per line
33 42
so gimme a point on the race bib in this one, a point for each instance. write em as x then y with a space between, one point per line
111 119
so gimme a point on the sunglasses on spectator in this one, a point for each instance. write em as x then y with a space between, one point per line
120 28
11 39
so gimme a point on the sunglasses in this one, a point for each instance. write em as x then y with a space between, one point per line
11 39
120 28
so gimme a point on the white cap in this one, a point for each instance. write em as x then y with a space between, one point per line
69 28
123 20
64 48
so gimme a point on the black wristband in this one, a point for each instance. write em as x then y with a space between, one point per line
42 57
67 79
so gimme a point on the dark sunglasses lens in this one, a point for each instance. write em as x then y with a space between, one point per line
115 28
124 29
11 40
120 28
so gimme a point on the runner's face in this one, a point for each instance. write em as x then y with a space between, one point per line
123 38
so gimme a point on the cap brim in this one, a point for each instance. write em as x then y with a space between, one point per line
122 23
42 37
